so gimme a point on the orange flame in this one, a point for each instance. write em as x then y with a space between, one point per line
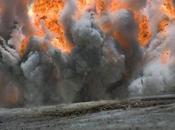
168 8
101 6
169 11
144 29
48 11
163 25
117 5
144 34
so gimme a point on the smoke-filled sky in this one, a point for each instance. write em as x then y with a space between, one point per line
55 52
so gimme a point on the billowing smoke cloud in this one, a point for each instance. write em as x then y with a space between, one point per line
94 55
14 12
158 77
10 86
126 28
123 24
123 21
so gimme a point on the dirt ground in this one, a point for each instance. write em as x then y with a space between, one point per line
156 113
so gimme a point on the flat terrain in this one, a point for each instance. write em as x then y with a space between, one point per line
156 113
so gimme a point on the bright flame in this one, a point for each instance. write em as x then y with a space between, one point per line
48 12
144 29
30 11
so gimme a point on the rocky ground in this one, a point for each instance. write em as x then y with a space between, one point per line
157 112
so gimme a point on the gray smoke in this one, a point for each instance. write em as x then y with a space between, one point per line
136 4
14 12
10 86
67 18
95 55
154 15
157 77
123 22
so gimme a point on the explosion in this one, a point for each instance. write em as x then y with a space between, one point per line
49 12
57 51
